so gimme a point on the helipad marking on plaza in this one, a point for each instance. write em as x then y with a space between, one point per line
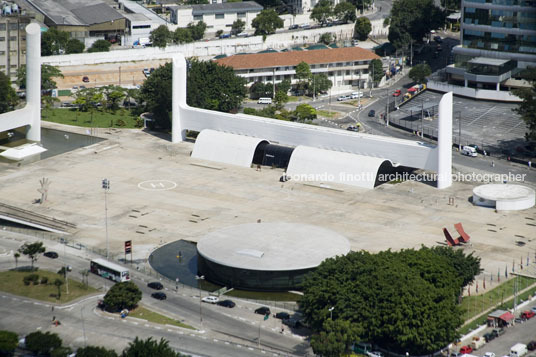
157 185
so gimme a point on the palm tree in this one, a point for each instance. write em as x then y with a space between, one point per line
58 283
16 256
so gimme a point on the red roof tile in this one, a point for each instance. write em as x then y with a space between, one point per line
292 58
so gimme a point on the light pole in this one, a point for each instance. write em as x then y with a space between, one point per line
331 312
106 187
198 278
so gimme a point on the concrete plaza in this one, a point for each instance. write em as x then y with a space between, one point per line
159 194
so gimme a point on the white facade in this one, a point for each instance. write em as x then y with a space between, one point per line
138 26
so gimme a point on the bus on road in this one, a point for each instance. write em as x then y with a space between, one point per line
109 270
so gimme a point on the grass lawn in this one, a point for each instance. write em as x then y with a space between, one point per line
11 282
99 119
327 114
297 99
143 313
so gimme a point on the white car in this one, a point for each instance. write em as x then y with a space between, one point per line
489 354
533 308
344 97
375 354
210 299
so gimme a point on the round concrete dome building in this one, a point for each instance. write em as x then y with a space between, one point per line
266 256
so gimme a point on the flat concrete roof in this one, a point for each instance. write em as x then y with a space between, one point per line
488 61
503 191
272 246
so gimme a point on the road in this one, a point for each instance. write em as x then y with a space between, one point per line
222 329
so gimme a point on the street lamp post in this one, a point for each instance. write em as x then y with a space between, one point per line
198 278
106 187
331 312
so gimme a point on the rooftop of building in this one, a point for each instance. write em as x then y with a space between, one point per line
136 17
136 8
293 58
488 61
226 7
76 12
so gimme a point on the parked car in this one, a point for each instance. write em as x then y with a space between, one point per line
356 95
489 354
146 72
292 322
465 350
533 308
282 315
225 35
52 255
155 285
375 354
344 97
85 79
372 113
489 336
263 310
531 346
294 27
526 315
397 93
455 354
498 332
305 26
353 128
159 296
438 39
211 299
227 303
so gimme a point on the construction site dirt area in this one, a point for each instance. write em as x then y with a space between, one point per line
159 194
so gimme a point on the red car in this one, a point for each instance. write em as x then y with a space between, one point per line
85 79
466 350
525 315
397 93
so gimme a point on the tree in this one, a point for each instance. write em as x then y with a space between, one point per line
197 30
48 72
16 256
322 11
412 20
100 46
113 95
362 28
58 283
160 36
42 343
149 347
121 296
304 75
407 300
362 4
345 11
304 112
182 35
95 351
47 101
8 96
280 99
8 342
74 46
467 266
61 352
32 250
260 89
266 22
419 72
283 86
335 338
527 108
196 2
321 83
237 27
376 70
53 41
325 38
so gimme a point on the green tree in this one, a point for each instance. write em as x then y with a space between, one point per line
322 12
419 72
280 99
412 20
260 89
266 22
467 266
283 86
527 107
304 112
61 352
407 300
335 338
121 296
16 256
47 101
113 95
345 11
182 35
376 70
361 4
58 283
100 46
197 30
362 28
32 250
42 343
325 38
149 347
74 46
8 96
95 351
8 342
321 83
237 27
53 41
48 73
304 75
160 36
196 2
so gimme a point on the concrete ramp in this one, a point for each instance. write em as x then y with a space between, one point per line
35 220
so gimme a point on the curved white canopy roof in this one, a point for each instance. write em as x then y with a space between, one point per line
226 148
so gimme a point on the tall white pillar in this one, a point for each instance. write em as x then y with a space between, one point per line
444 142
33 80
178 96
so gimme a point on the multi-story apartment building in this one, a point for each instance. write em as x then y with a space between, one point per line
12 42
345 67
498 40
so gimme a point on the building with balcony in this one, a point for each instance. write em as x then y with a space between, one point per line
498 40
345 67
216 16
12 41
